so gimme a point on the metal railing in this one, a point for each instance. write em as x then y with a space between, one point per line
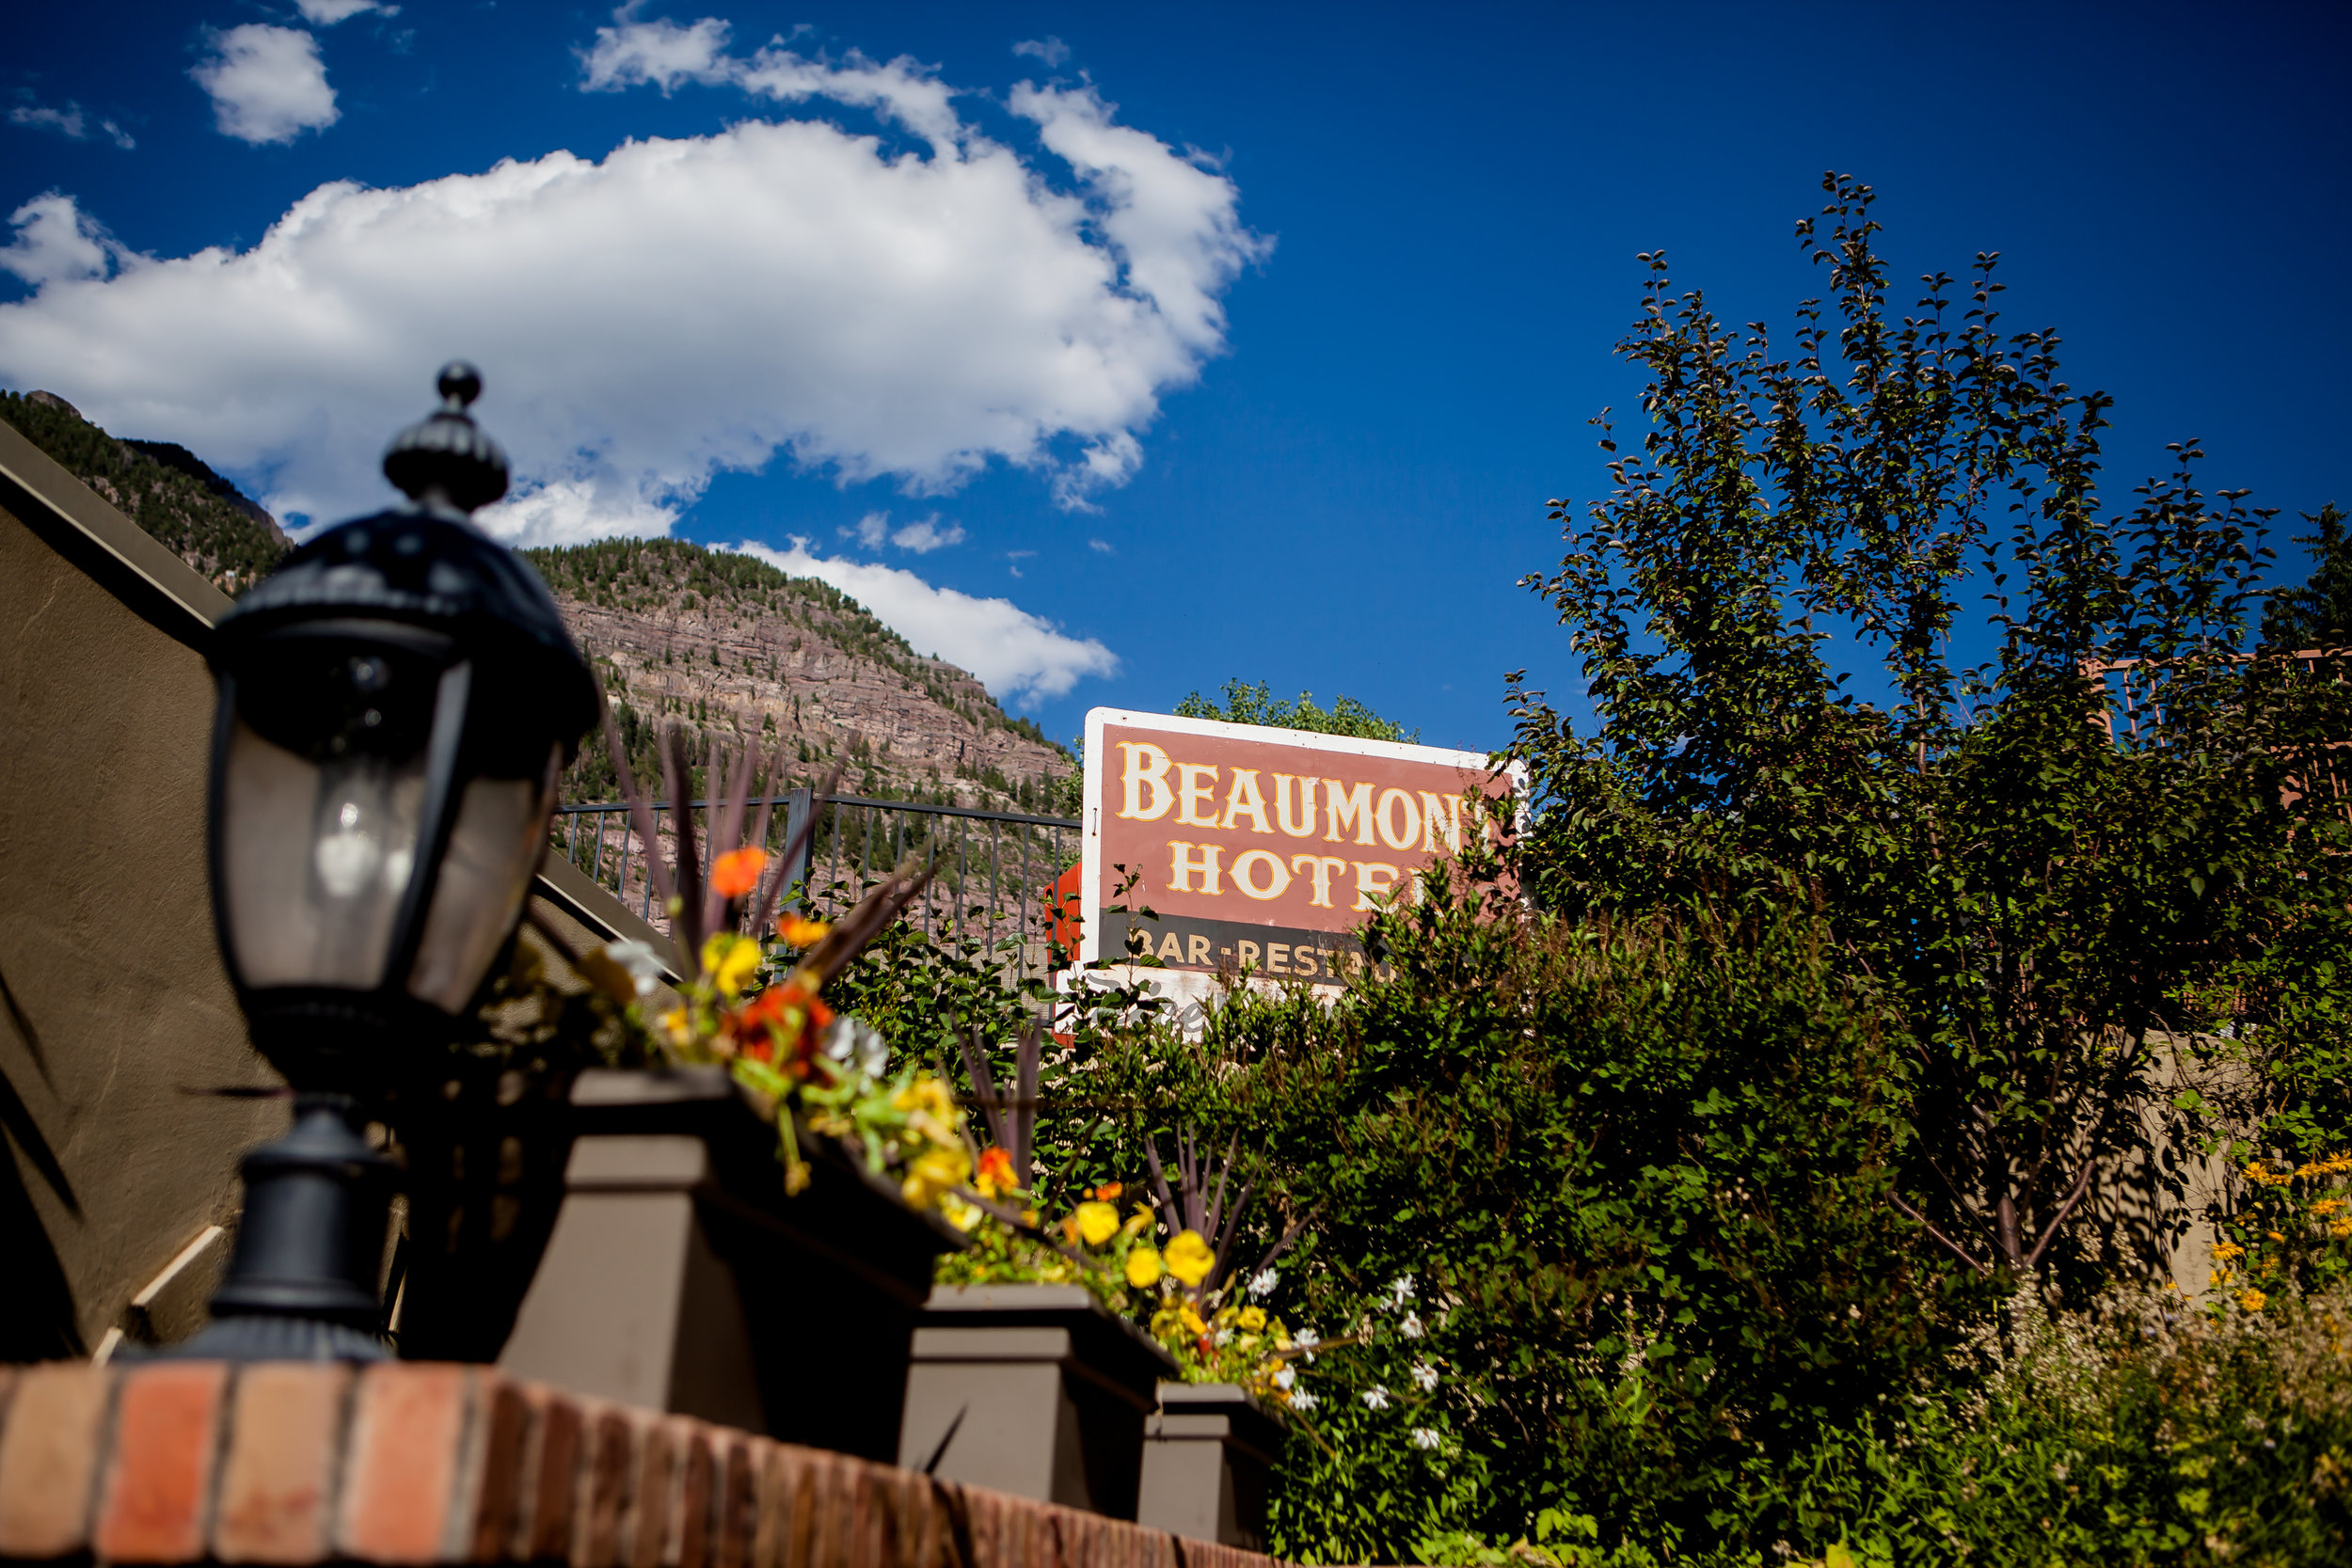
995 874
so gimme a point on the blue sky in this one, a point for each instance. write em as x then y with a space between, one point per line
1242 341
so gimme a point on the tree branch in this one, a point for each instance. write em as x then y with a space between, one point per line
1921 1220
2049 1232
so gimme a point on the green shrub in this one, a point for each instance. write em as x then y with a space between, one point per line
1634 1174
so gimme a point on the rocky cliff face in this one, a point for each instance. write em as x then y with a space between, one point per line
733 650
725 647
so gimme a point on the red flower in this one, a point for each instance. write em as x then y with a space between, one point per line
785 1017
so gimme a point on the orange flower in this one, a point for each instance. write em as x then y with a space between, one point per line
1108 1192
798 932
737 872
995 1172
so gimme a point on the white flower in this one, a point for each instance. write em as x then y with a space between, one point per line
1261 1284
1301 1399
854 1041
1424 1437
1375 1397
1222 1336
1400 1291
1284 1377
1307 1339
639 960
1410 1327
1425 1377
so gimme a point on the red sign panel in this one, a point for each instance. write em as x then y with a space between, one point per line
1259 848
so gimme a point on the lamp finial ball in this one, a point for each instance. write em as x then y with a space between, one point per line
459 383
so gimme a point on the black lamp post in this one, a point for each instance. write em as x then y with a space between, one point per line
396 701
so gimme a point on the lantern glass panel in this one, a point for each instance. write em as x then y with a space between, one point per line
314 861
494 846
321 797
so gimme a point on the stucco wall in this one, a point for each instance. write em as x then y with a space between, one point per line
114 1005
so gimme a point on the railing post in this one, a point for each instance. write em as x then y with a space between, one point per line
797 806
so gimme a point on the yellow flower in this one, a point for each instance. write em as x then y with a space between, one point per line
1097 1222
677 1028
1189 1258
1143 1268
1191 1319
930 1110
932 1173
729 961
2340 1228
2274 1235
924 1094
1253 1319
2252 1301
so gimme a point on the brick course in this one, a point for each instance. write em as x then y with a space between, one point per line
416 1463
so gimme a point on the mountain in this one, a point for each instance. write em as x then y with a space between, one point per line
726 647
738 651
162 487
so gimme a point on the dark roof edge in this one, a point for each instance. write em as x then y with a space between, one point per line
48 485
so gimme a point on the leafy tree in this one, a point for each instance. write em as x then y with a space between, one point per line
2042 860
1245 703
2319 613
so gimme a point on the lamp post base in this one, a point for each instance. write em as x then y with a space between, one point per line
301 1285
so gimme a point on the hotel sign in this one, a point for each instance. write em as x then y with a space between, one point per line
1259 848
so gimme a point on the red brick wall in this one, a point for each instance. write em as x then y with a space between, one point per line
417 1462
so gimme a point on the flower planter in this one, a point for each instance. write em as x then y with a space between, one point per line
1031 1389
680 1275
1207 1454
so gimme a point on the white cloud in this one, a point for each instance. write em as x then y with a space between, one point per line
1049 49
926 536
69 123
921 536
678 309
54 242
658 53
268 84
1101 546
325 13
1016 655
570 511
